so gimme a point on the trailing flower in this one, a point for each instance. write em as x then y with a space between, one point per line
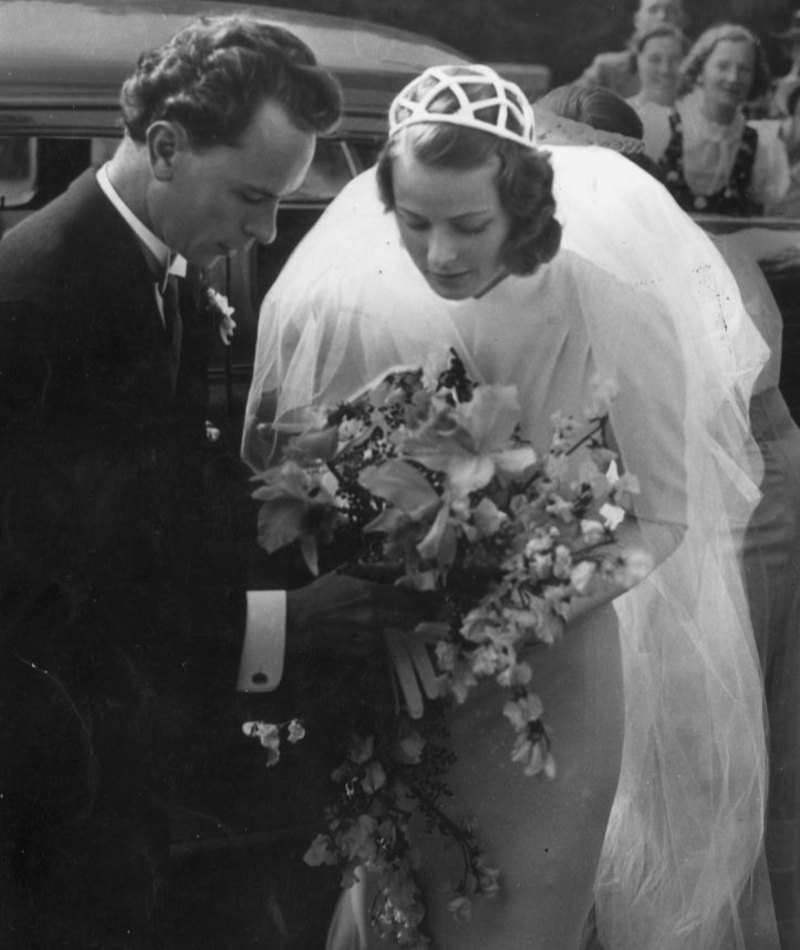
269 735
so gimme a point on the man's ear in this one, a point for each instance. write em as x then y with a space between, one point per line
165 141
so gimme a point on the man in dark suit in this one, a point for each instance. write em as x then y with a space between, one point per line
116 650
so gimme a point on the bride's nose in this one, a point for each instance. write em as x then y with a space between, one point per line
442 249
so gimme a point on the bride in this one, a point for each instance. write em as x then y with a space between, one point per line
545 269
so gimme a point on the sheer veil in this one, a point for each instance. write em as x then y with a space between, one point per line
664 317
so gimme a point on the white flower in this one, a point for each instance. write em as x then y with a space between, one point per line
612 515
320 852
488 878
636 565
522 711
460 907
268 734
516 674
227 324
374 779
563 562
296 731
533 756
581 575
488 517
412 746
603 390
591 530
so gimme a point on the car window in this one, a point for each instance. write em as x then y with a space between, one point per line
102 150
17 170
330 171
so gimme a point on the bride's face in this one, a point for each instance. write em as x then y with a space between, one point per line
452 223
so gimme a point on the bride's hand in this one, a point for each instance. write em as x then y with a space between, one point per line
348 615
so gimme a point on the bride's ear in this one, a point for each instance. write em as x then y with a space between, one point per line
165 141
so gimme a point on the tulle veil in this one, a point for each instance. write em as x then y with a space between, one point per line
682 865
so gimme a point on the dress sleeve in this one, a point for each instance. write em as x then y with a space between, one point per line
693 694
656 130
771 175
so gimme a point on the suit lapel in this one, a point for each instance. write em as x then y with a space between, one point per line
127 280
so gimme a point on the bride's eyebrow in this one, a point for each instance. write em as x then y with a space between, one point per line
476 213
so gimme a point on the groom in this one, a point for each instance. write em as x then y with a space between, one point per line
118 651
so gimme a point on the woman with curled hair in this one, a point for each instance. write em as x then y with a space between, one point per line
524 182
611 281
659 52
214 75
714 160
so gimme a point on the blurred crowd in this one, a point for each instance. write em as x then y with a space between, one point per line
711 120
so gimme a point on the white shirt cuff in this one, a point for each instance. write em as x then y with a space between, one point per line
261 666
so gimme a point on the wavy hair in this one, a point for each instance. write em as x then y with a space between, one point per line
593 105
214 75
705 45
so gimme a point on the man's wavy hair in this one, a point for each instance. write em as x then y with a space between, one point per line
214 75
524 181
705 45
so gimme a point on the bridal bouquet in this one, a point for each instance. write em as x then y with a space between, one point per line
431 472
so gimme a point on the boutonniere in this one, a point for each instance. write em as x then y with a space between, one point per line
223 311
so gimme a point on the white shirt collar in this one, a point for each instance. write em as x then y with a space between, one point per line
172 263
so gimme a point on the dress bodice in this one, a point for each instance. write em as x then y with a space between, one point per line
733 197
527 332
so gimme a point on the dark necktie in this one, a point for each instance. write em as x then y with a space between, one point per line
172 323
168 291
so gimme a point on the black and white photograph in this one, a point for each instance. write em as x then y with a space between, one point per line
400 475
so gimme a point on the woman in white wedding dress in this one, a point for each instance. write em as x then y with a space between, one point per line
544 269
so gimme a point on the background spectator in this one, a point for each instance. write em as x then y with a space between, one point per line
659 53
714 161
617 70
790 41
789 205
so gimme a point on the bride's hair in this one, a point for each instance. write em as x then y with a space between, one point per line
524 184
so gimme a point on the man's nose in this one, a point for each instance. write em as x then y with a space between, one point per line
263 225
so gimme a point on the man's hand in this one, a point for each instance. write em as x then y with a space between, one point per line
348 616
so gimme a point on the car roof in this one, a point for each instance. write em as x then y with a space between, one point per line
59 55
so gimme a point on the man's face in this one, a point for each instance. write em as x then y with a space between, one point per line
652 13
216 202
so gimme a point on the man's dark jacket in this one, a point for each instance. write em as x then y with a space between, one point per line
114 646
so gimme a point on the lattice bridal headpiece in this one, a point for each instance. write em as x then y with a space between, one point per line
502 109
